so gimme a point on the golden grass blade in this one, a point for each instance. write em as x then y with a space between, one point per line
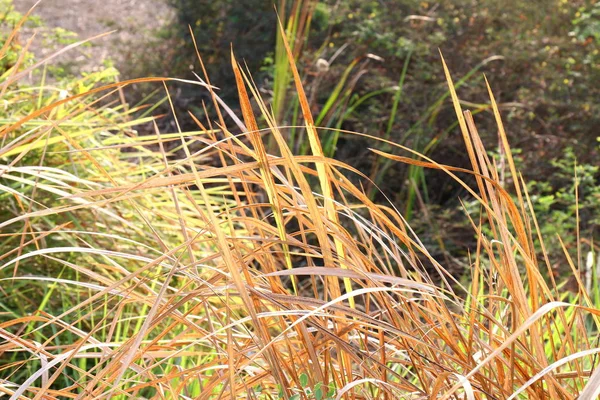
37 113
555 365
355 275
504 140
461 121
13 33
263 160
527 324
322 170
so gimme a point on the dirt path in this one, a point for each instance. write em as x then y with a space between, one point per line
134 22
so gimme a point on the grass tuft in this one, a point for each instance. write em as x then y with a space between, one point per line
201 265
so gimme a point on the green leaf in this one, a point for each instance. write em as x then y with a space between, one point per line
331 391
303 380
318 393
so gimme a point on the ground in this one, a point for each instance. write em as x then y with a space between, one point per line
134 23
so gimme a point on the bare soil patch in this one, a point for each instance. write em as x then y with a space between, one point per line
135 23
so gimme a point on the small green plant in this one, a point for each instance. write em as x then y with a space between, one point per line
569 207
317 392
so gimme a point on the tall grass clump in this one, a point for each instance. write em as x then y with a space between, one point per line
200 265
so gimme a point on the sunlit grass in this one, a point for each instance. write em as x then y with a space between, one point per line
200 265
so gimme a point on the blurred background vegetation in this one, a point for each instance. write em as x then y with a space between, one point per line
374 67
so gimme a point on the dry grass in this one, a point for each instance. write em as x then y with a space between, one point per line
230 272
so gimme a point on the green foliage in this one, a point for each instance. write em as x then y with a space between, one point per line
319 391
576 194
10 18
587 23
566 205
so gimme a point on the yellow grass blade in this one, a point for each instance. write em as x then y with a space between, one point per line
263 161
317 150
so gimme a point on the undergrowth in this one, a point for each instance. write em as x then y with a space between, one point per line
200 265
